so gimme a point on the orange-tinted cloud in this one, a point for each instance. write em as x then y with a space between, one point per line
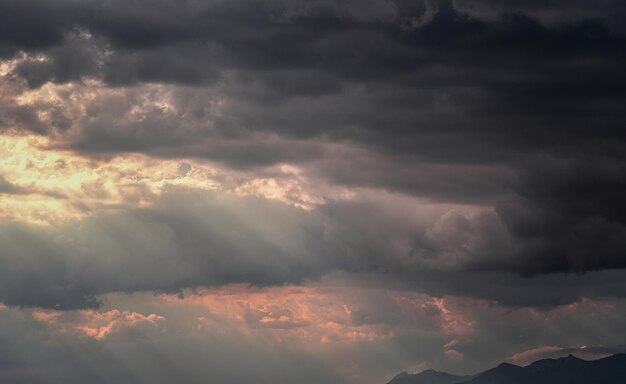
103 325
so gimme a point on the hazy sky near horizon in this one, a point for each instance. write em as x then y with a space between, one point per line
308 191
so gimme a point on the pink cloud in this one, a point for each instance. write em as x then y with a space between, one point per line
453 354
103 325
295 313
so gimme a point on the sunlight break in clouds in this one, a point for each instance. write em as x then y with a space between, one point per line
52 185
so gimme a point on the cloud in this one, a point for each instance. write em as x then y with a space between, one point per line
508 113
566 218
7 187
342 333
104 325
129 352
186 240
189 238
307 191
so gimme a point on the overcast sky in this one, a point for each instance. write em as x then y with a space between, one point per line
308 191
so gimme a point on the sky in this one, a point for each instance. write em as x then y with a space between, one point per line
308 191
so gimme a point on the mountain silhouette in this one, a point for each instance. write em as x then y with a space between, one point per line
429 377
566 370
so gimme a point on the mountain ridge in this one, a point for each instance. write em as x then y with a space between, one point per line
564 370
429 376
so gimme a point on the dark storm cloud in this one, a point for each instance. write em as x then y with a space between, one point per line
569 215
555 11
441 90
479 73
33 25
442 250
519 106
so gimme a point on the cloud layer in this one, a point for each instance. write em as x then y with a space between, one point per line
449 156
517 107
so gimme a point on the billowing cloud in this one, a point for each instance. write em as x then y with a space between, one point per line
81 228
515 106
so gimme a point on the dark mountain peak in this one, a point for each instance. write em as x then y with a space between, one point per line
615 357
571 357
567 360
497 375
564 370
429 376
506 365
432 372
399 376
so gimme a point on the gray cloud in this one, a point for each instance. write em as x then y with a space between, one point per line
212 241
9 188
195 340
515 107
35 352
191 239
448 250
